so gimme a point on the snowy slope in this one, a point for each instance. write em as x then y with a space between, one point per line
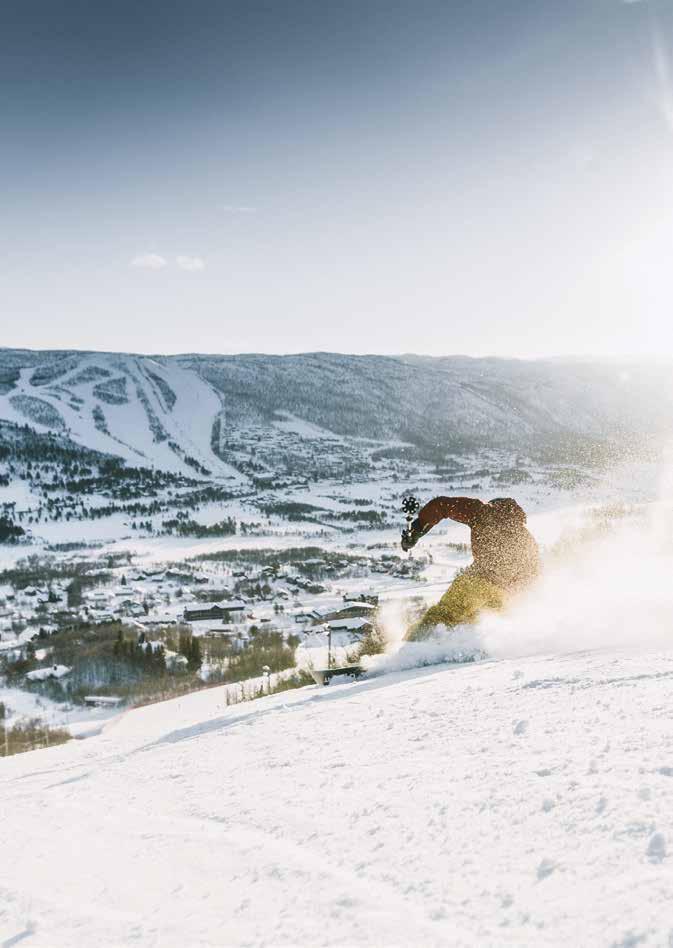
132 407
519 802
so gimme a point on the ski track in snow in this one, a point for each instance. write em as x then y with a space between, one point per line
521 802
129 435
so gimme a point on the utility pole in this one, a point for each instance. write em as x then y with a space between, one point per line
328 633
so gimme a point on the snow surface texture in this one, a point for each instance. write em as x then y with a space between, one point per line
520 802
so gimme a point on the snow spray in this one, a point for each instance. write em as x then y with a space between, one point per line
608 584
614 590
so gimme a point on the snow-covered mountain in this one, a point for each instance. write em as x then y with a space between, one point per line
136 408
518 802
178 412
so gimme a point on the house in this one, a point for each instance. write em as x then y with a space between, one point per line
174 661
182 577
99 600
48 599
372 598
225 610
356 610
102 701
234 637
129 607
54 671
202 613
356 626
158 620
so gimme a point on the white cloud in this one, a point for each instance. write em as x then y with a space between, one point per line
192 264
238 209
149 261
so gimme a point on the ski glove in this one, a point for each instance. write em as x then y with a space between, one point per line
413 534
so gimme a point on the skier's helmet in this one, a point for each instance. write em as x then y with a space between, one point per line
509 508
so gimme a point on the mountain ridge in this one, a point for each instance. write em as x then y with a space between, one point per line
158 410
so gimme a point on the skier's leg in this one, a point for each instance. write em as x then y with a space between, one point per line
465 598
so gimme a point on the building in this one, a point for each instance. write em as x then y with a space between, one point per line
103 701
226 611
351 610
371 598
356 626
53 671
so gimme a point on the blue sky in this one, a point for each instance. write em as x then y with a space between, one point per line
485 177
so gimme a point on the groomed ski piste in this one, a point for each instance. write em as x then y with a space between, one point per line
524 799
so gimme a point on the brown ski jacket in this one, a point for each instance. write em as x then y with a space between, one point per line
504 551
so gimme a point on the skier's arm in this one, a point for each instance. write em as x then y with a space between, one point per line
462 509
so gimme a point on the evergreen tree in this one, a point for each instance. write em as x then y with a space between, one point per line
194 657
118 647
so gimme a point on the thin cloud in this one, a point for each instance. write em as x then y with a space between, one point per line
239 209
661 62
149 261
663 72
191 264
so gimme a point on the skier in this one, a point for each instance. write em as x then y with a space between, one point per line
506 558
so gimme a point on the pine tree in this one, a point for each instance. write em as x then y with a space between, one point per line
159 656
184 644
118 647
194 657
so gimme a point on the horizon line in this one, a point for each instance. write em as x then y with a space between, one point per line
570 357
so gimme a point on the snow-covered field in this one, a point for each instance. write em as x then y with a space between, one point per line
519 802
79 720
